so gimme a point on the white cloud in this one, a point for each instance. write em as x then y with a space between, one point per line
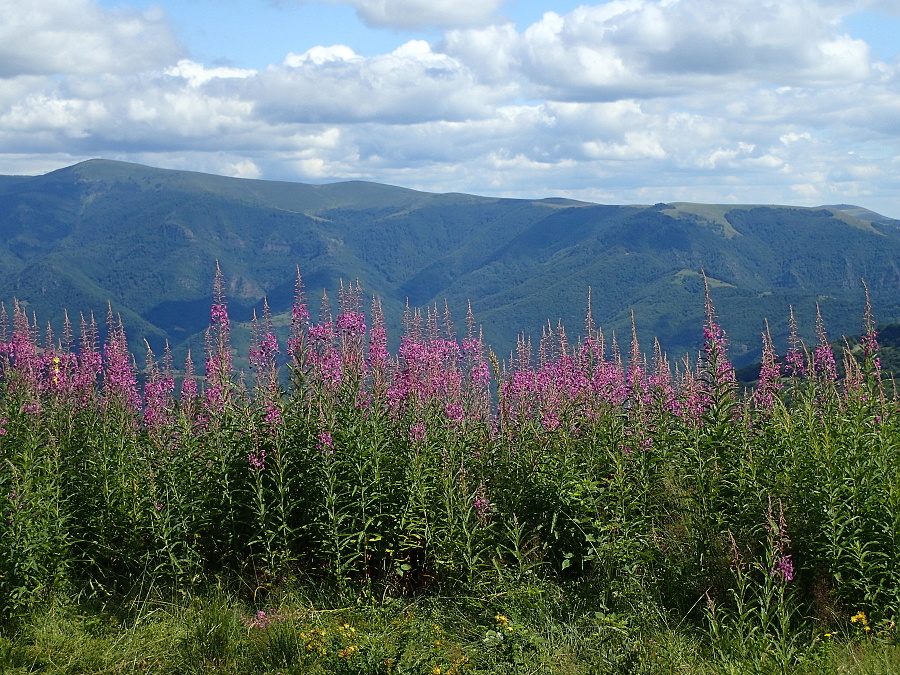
793 137
420 13
411 84
243 168
197 74
628 48
628 101
808 191
318 56
79 37
490 53
636 146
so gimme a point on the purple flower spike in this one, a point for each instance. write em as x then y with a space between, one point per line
326 443
796 354
769 375
784 567
823 358
218 346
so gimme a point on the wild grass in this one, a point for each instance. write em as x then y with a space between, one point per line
571 510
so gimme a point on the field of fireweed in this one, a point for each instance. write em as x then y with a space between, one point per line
576 508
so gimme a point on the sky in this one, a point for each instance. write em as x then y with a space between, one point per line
625 101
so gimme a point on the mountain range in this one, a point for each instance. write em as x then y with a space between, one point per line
147 240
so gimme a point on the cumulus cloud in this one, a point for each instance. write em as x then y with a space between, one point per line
626 101
243 168
420 13
197 74
63 37
491 53
411 84
642 48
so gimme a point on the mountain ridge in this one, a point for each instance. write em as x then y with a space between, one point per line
147 239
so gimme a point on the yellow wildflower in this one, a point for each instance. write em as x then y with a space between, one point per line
347 652
860 618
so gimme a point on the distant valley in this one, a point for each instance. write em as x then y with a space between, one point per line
147 239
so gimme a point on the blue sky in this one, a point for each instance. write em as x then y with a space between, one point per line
256 33
625 101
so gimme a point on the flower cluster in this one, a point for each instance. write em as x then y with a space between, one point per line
563 386
862 620
783 566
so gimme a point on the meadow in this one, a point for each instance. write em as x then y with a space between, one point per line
576 507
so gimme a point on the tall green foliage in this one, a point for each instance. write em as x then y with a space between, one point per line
389 474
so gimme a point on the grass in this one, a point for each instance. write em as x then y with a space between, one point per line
532 628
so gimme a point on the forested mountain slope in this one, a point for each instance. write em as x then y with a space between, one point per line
147 239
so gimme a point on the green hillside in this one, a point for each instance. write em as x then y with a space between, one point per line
147 239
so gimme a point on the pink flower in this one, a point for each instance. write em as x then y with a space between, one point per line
260 620
352 323
454 412
823 357
795 358
257 459
188 384
784 567
769 375
218 345
417 432
273 414
266 353
784 564
326 443
219 315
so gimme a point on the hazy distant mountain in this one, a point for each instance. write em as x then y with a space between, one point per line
147 240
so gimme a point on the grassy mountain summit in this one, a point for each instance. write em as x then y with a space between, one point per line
146 240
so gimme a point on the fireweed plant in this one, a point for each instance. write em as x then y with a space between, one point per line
439 468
